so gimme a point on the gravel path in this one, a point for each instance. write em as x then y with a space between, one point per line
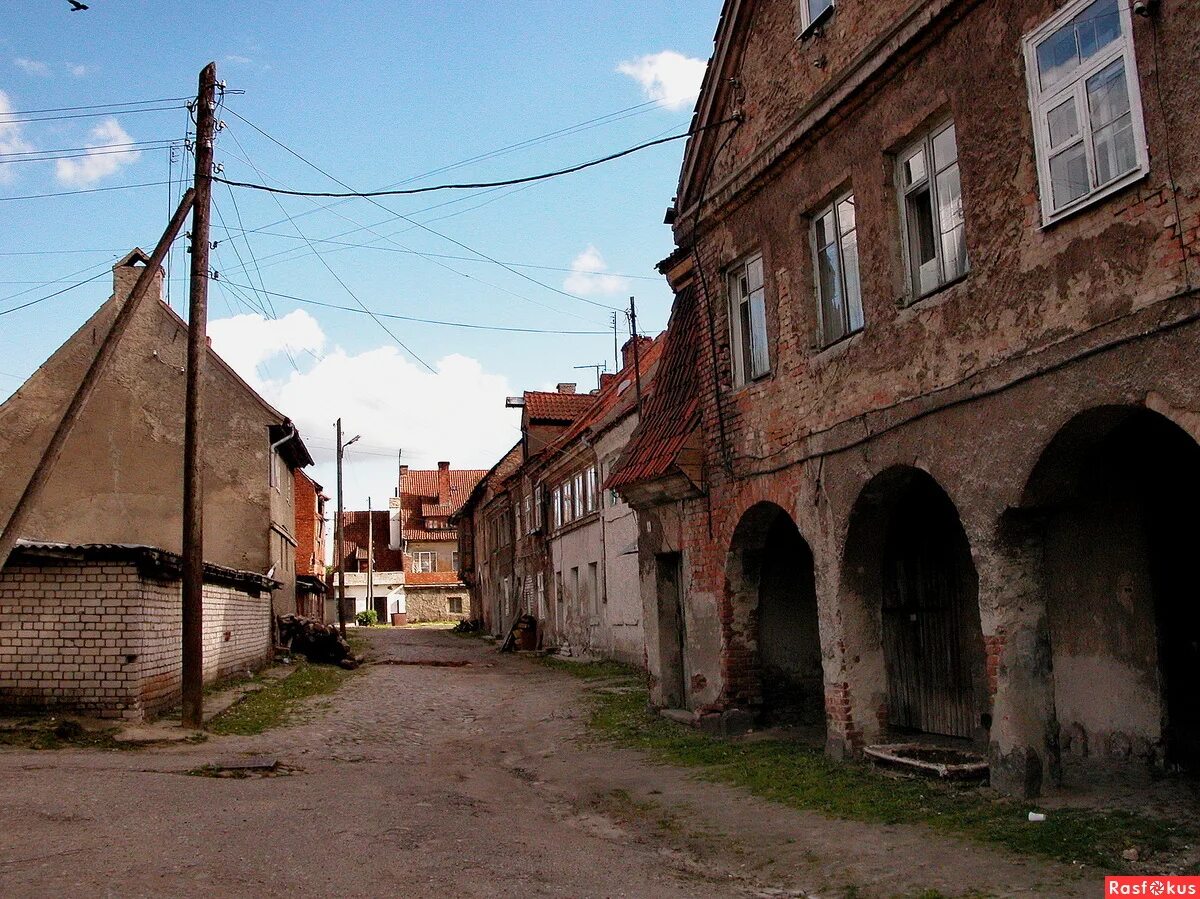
449 781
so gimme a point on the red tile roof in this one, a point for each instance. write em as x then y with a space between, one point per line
617 399
673 410
420 497
558 407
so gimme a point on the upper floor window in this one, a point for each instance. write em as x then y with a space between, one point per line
1086 105
813 12
748 321
931 205
835 243
423 561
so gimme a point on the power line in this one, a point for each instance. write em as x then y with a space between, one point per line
329 268
96 151
52 295
423 321
96 106
373 246
132 143
86 115
405 192
423 227
88 190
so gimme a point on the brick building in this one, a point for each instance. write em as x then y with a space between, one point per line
310 501
928 456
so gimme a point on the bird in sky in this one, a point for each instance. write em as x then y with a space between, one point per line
76 6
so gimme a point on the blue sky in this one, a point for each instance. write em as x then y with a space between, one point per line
374 94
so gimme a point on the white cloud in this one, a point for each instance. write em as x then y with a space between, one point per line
236 60
589 276
77 70
11 140
247 341
32 66
98 163
669 78
456 413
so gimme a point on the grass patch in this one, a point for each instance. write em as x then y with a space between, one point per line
785 772
63 735
274 704
603 669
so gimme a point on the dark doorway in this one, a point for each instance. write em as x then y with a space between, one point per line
671 633
1120 489
773 594
933 644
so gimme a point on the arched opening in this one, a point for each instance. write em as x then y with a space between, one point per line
772 587
1117 493
913 622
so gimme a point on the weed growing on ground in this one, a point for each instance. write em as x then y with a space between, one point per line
786 772
63 735
273 704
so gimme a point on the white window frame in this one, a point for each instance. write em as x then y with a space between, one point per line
593 496
556 507
577 496
539 500
925 144
421 559
1042 103
808 20
750 354
848 305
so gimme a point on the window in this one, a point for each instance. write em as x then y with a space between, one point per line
556 507
594 584
575 585
558 586
423 561
456 605
577 494
931 205
1086 106
813 12
528 507
839 298
748 322
454 561
538 502
275 471
593 497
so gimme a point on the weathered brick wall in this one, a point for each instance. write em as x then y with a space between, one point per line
101 639
66 640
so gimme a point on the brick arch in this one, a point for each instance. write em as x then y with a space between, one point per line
905 545
771 646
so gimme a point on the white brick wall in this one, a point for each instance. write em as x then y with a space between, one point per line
99 638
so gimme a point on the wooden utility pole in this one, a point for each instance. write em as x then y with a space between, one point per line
193 425
616 345
370 556
637 353
341 538
45 467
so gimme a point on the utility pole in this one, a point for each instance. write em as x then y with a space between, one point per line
616 345
370 556
598 367
341 533
637 355
193 426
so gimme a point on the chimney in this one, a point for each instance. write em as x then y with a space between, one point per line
400 480
627 350
606 378
128 269
443 483
566 388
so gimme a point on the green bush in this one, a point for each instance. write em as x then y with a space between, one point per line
369 618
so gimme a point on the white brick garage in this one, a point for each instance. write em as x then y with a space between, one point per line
96 628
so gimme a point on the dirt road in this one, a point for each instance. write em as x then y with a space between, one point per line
449 781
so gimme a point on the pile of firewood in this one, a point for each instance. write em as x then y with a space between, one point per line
320 643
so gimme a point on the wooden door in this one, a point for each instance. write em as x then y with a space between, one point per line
930 625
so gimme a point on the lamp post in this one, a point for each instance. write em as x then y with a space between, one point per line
341 530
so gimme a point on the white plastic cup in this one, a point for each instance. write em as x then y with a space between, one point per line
1036 817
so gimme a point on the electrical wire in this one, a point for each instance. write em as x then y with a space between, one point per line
424 321
97 151
424 227
88 190
410 191
52 295
86 115
132 143
95 106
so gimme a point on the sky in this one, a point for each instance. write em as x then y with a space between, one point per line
372 94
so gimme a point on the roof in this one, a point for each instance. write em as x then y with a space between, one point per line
421 498
556 407
614 401
437 510
507 464
150 560
310 583
673 411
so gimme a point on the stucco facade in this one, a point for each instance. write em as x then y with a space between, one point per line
983 469
119 479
